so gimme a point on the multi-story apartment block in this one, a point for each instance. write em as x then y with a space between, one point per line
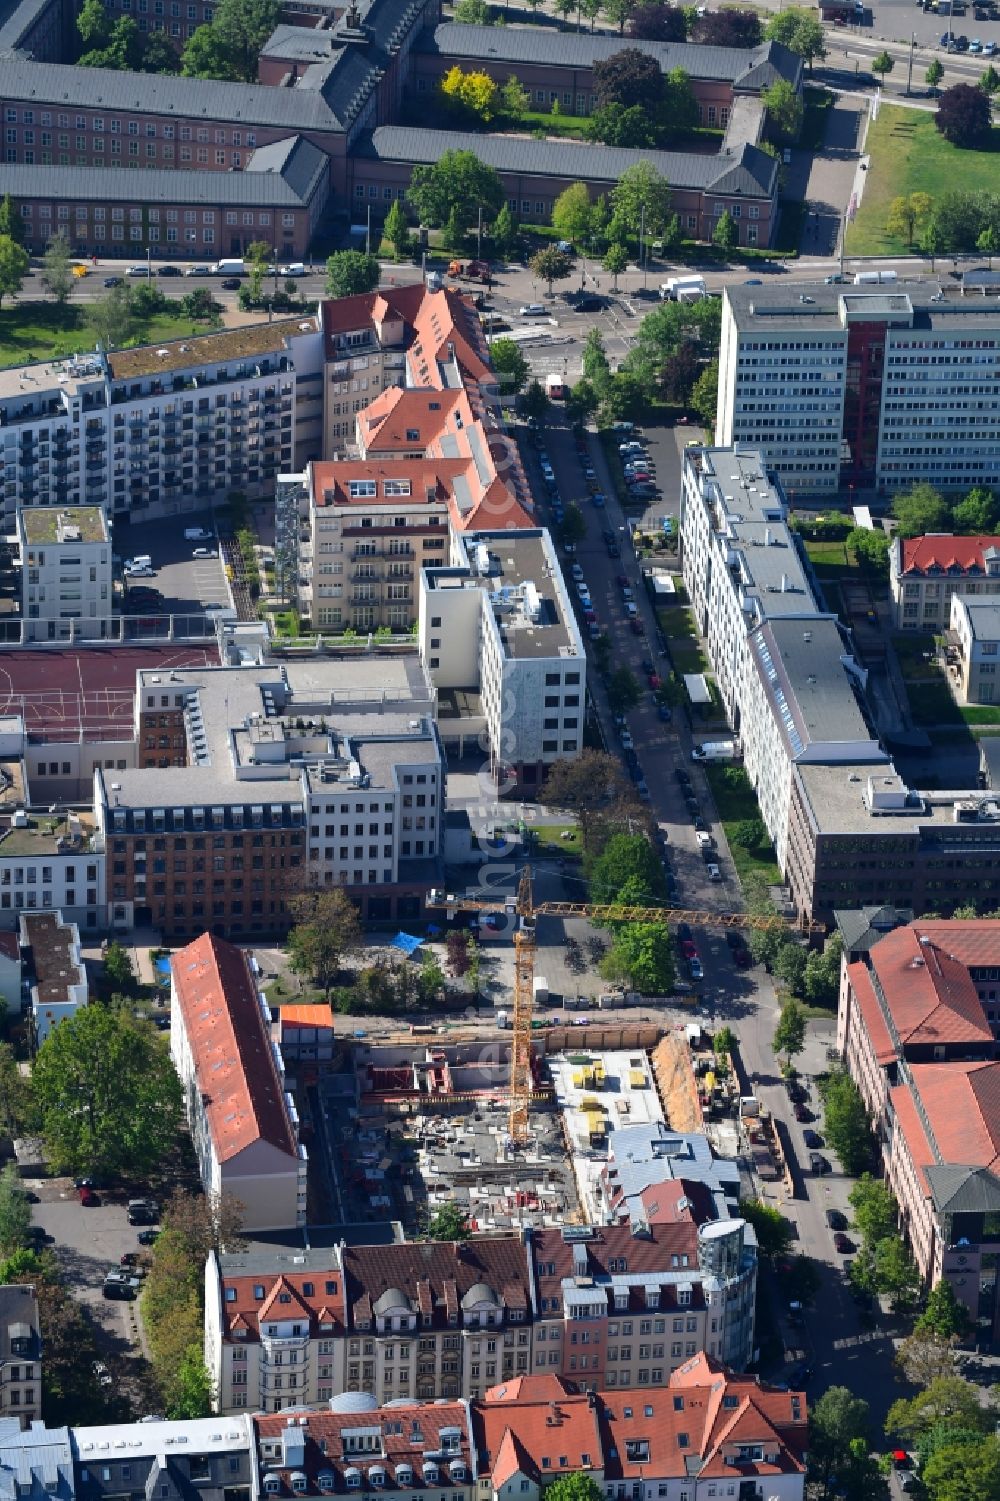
862 388
372 528
57 976
20 1359
926 573
50 863
624 1305
973 649
243 1123
289 773
160 430
367 1449
918 1024
197 1457
418 1321
66 590
498 620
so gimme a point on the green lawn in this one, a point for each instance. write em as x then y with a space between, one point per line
829 558
733 805
909 155
548 837
32 331
678 626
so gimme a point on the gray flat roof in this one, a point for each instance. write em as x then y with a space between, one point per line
836 796
521 558
984 619
286 176
556 48
748 170
909 305
805 657
300 44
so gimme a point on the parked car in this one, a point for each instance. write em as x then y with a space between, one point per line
713 871
205 552
743 959
168 271
801 1112
531 310
836 1220
112 281
88 1198
843 1243
230 283
818 1164
696 969
147 1237
812 1139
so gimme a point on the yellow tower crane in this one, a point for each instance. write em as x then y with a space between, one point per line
523 908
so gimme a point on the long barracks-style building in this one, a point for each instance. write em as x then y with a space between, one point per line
330 96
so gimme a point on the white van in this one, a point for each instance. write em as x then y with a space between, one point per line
874 278
294 268
142 560
196 534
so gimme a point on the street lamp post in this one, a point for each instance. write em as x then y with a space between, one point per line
909 69
642 242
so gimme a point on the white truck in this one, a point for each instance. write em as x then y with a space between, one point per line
234 267
874 278
683 289
714 750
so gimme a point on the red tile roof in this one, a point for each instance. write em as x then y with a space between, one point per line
541 1437
962 1105
317 1295
920 1151
409 1434
343 315
435 1276
930 995
306 1016
386 423
9 946
871 1013
975 942
663 1248
230 1042
945 553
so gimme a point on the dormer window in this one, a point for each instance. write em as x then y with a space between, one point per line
299 1483
258 1290
272 1485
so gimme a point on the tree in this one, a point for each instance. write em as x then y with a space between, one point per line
575 1487
325 928
657 22
919 510
515 101
955 1472
944 1316
507 358
772 1230
205 1222
785 110
883 64
571 213
924 1357
908 213
191 1396
448 1223
107 1093
15 1213
199 304
641 186
749 833
989 243
474 93
627 863
679 113
964 116
93 25
453 233
112 316
680 372
551 264
118 968
615 261
728 28
257 256
57 268
505 230
871 548
534 402
946 1399
617 13
459 182
800 31
11 221
821 982
848 1129
628 78
838 1420
725 234
589 788
573 527
934 75
641 956
896 1272
595 360
349 272
69 1392
977 512
13 266
205 55
16 1102
790 1033
243 26
989 81
874 1209
471 12
705 396
158 55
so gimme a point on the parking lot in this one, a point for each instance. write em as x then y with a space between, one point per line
188 584
89 1242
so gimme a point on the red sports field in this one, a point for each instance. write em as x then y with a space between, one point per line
85 693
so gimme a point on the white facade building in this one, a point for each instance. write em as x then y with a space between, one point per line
867 387
499 621
52 864
784 670
66 589
57 976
